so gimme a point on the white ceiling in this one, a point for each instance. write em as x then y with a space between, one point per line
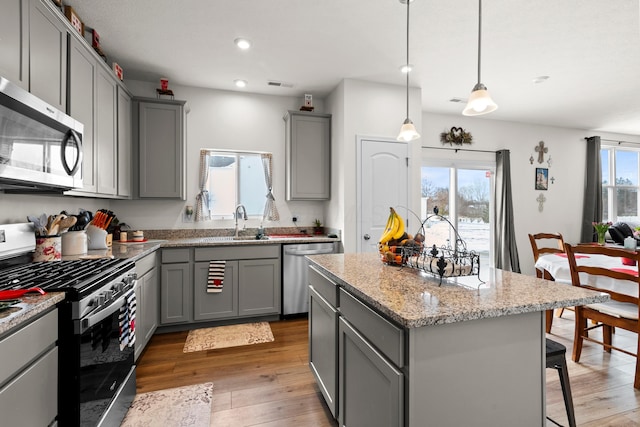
590 49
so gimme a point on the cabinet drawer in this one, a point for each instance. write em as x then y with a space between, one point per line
324 286
23 346
222 253
146 264
385 336
175 255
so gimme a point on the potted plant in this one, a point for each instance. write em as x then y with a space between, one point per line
317 227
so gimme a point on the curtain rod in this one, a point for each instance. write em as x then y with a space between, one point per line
457 149
618 141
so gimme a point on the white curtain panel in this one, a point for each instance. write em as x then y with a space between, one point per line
203 208
270 209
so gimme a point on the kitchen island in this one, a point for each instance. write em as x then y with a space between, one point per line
409 352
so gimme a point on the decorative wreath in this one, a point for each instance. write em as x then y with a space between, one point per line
456 136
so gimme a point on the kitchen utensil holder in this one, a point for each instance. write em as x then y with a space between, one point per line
48 248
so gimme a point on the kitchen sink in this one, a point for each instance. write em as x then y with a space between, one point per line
226 238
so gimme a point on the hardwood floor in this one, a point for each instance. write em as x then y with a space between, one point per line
270 384
261 385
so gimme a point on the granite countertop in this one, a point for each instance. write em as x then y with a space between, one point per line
30 305
413 298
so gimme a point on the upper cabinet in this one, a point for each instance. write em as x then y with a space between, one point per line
14 42
308 155
124 144
160 141
47 55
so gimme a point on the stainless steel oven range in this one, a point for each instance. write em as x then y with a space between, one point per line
96 371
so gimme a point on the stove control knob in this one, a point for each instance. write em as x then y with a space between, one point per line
108 295
101 299
117 287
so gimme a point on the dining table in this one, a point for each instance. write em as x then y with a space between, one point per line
557 266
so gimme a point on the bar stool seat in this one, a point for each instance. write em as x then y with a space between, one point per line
556 359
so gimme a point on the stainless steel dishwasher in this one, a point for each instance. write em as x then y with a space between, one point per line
295 284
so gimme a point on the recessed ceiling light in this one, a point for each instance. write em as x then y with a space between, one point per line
243 44
540 79
240 83
406 68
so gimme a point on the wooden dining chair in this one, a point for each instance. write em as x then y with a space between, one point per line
623 311
542 244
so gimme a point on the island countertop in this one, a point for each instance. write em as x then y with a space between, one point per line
413 299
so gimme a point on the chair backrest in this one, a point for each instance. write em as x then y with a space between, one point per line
615 269
541 238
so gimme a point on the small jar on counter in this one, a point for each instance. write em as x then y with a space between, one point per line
138 236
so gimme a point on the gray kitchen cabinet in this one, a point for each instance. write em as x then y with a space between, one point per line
259 287
219 305
147 301
308 155
14 42
176 303
106 132
29 373
124 144
371 388
47 54
160 143
251 286
323 337
82 98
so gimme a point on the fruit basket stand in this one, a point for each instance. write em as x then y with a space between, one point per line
444 261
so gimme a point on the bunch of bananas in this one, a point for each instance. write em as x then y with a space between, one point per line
395 244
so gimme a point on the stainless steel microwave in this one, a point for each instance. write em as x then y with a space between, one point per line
40 146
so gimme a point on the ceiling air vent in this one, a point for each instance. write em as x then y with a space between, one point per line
278 84
457 100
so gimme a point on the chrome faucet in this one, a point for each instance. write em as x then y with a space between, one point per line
237 213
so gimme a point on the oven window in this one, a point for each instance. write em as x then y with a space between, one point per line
103 368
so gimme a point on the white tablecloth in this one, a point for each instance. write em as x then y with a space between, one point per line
558 266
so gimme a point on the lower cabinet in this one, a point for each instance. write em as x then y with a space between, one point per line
251 286
371 388
147 292
356 356
29 373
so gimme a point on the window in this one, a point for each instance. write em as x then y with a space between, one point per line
463 194
620 182
236 178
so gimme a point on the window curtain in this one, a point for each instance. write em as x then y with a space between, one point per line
203 208
506 251
270 209
592 205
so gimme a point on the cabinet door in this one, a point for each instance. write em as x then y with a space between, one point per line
371 388
218 305
175 293
106 99
82 89
308 156
259 287
161 150
151 288
124 143
14 42
323 346
140 323
47 55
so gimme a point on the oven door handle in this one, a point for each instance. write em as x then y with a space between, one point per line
98 317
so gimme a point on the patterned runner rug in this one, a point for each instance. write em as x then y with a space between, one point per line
228 336
173 407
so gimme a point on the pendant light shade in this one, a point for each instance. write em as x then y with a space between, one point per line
480 101
408 131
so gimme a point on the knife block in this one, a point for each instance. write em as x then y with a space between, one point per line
97 237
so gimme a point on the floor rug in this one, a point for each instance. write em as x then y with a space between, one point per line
173 407
228 336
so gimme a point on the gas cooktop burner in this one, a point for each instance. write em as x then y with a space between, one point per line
58 276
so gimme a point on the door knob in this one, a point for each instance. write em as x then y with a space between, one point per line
366 237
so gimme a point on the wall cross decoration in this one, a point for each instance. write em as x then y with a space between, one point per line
541 199
541 150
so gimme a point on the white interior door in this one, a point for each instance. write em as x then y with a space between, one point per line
383 182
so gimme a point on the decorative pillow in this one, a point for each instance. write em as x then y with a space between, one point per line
619 231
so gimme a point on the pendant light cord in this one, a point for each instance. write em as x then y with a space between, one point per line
407 65
479 36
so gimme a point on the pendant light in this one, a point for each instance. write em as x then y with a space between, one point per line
408 130
480 101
